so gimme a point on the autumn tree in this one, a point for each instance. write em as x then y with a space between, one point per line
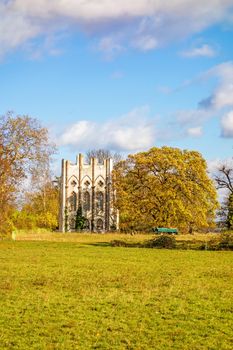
24 148
165 187
7 196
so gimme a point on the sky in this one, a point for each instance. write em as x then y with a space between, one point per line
121 75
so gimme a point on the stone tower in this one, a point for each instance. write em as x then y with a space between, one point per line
88 186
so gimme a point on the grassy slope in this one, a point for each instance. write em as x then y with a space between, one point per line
80 296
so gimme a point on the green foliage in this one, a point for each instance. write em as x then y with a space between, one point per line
131 299
66 219
229 221
80 219
165 187
24 219
40 210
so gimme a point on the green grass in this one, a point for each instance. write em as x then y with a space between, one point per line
88 295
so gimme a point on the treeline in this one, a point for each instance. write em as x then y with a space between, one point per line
161 187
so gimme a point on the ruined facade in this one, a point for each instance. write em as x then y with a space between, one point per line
87 187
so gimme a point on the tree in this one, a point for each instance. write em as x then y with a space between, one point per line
229 220
165 187
102 154
80 219
224 180
40 209
24 148
24 144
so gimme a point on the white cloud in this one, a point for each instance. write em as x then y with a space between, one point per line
195 132
223 95
145 43
15 29
202 51
131 132
227 125
219 102
144 24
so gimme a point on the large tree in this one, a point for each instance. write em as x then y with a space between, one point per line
24 148
165 187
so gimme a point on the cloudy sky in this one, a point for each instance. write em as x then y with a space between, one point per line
122 75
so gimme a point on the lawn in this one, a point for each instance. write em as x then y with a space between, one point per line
88 295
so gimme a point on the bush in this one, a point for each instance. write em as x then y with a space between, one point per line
163 241
222 242
118 243
226 242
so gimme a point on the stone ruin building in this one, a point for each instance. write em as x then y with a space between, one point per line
89 187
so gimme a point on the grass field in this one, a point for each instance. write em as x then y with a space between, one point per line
44 235
86 294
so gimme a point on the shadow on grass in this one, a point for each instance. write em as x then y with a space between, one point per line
100 244
224 242
145 244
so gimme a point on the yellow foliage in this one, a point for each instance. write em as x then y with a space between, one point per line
165 187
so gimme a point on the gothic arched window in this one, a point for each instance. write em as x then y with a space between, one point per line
86 201
87 225
100 200
99 225
73 201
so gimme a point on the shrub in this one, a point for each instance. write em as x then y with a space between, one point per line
226 241
118 243
221 242
163 241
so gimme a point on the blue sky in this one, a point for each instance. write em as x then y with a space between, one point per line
121 75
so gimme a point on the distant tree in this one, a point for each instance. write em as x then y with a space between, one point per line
224 180
224 177
102 154
222 213
165 187
229 220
